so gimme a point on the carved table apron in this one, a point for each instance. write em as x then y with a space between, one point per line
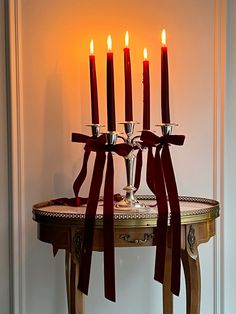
62 226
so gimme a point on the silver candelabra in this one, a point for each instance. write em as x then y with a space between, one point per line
129 202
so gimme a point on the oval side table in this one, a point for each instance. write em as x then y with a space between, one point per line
62 226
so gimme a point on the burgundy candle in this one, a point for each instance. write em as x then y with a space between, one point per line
165 110
146 92
128 81
111 116
93 85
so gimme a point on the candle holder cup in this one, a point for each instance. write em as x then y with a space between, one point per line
166 128
96 129
111 137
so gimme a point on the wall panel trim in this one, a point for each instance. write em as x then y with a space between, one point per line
220 34
17 254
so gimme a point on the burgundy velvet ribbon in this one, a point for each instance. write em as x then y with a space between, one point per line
82 138
162 221
108 227
79 138
74 201
175 218
108 231
86 252
149 174
164 180
82 174
138 169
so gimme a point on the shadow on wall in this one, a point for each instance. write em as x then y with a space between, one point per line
53 144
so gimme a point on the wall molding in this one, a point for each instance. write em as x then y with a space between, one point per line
220 33
17 246
4 205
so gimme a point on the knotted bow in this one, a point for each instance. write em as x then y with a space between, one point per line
163 179
108 223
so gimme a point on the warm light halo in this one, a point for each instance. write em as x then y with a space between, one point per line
163 37
126 39
145 54
91 47
109 42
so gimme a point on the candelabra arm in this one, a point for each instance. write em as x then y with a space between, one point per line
133 140
122 137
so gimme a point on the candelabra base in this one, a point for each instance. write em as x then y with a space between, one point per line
130 205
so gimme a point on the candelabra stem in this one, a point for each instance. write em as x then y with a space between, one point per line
130 202
129 164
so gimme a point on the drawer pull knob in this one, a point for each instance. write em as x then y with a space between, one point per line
147 237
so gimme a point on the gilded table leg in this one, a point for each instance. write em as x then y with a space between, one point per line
167 294
193 282
74 295
67 270
79 300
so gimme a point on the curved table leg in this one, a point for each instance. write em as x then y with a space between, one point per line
193 282
192 274
67 273
167 294
74 295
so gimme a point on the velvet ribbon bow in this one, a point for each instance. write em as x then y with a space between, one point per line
163 179
103 153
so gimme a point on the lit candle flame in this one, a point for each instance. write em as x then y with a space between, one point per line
109 43
91 47
163 37
126 39
145 53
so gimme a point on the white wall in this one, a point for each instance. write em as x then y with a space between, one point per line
4 206
54 101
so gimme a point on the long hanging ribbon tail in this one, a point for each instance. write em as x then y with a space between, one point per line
82 175
138 169
175 218
78 201
150 168
162 220
86 252
108 229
